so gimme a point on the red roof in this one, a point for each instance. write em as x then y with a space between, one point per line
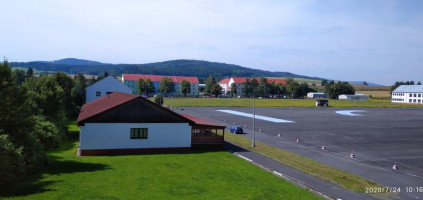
200 121
158 78
225 81
276 80
269 80
239 79
104 103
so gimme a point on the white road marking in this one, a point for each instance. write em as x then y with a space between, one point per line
271 119
349 112
277 173
245 158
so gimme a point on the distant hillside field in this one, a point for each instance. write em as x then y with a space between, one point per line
197 68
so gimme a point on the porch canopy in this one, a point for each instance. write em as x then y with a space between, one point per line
205 132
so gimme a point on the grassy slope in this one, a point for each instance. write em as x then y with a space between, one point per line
193 175
248 102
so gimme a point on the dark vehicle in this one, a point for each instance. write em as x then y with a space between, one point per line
236 129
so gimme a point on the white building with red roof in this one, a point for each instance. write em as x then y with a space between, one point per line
130 80
226 83
121 123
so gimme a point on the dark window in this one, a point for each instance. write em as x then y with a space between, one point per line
411 95
98 93
420 95
414 95
139 133
107 93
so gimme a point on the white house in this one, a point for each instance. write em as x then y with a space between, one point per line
226 83
360 97
316 95
408 94
121 123
104 87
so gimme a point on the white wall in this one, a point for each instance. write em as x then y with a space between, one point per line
117 135
404 97
108 84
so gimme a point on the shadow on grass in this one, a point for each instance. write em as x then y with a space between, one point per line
34 183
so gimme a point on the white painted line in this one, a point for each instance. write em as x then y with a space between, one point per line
277 173
245 158
349 112
271 119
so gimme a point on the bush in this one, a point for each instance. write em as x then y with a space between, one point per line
158 99
11 161
47 133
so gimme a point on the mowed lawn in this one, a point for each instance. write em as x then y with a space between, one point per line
192 175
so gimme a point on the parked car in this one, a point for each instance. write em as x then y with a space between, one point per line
236 130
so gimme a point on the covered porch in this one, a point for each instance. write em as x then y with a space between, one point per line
205 134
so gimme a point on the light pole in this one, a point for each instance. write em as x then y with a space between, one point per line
254 118
254 121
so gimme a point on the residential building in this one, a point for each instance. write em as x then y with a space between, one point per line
131 81
360 97
226 83
408 94
104 87
121 123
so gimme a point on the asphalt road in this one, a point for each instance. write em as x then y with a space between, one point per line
379 138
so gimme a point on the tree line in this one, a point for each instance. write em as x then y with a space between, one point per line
34 113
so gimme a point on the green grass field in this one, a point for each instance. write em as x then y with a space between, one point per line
248 102
192 175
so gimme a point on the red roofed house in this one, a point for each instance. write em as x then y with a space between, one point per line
226 83
131 81
121 123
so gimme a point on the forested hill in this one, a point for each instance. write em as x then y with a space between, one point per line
200 69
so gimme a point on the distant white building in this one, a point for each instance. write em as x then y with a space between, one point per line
360 97
408 94
317 95
105 86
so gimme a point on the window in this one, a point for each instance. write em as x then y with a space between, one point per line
414 100
419 101
411 95
420 95
414 95
139 133
409 100
98 93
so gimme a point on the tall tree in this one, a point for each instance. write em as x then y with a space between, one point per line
166 86
66 83
210 82
365 83
419 83
246 87
150 89
19 151
19 76
340 88
185 87
281 89
30 73
216 90
78 91
141 87
234 89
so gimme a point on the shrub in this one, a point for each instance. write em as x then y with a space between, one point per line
158 99
47 133
11 161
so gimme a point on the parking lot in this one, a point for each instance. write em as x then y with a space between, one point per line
379 138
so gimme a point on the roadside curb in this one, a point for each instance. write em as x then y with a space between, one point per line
284 176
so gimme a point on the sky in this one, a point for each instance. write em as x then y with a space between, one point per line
360 40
